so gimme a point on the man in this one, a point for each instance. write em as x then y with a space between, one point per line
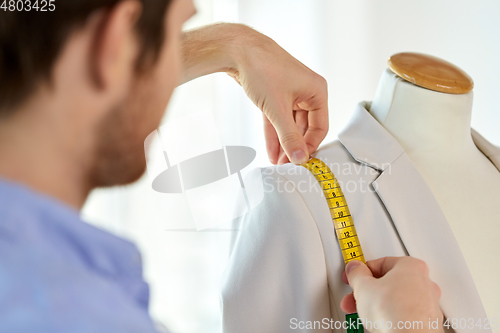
80 88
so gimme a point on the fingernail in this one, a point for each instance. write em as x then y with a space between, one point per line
351 265
299 157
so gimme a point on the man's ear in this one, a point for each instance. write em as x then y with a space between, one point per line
116 46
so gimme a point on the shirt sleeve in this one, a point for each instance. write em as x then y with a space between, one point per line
40 292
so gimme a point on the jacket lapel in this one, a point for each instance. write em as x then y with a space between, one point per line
416 214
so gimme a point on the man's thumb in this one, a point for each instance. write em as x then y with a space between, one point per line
291 140
295 147
356 271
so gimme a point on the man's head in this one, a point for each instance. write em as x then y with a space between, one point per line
99 73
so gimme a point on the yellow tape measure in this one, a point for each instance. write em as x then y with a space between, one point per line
341 216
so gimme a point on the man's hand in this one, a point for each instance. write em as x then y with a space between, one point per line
293 98
393 289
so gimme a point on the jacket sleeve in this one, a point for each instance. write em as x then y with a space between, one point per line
276 277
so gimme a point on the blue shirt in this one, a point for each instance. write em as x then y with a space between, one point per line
60 274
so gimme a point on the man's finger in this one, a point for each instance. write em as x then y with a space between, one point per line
317 128
356 272
382 266
437 289
317 107
272 142
302 121
282 159
348 303
290 138
344 277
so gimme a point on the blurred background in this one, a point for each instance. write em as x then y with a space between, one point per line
347 42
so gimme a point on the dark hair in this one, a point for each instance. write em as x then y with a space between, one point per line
30 41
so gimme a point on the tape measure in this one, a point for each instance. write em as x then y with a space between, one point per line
341 216
342 221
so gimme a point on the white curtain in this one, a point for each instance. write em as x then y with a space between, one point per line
348 42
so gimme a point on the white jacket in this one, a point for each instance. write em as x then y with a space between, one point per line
286 262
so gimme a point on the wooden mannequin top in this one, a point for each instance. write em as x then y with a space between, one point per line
434 129
431 72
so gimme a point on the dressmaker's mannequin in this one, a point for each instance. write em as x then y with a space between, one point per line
434 129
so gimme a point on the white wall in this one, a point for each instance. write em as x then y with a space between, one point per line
348 42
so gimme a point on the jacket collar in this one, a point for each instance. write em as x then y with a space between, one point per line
368 141
489 150
416 214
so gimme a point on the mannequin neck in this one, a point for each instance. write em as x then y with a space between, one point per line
422 119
